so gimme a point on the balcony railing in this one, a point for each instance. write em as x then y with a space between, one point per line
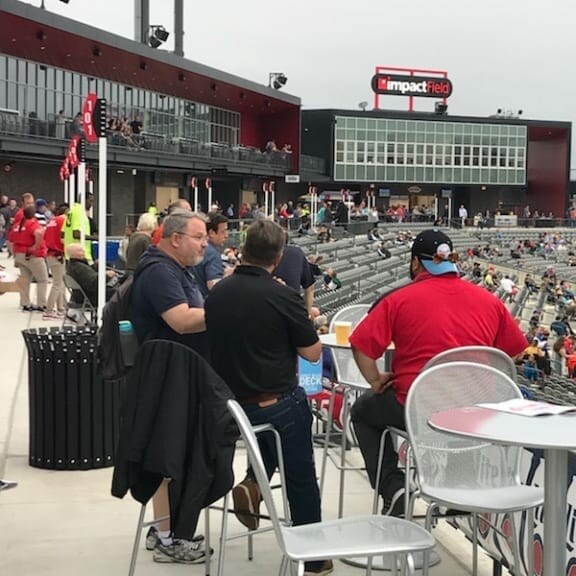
313 164
33 128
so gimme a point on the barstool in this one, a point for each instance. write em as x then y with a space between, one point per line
259 429
349 380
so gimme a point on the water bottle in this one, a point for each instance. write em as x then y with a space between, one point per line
128 342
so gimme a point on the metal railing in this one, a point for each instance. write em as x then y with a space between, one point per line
34 128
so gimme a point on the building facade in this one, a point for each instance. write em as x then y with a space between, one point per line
169 119
413 158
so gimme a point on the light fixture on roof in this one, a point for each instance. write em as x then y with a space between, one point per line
44 7
276 80
157 35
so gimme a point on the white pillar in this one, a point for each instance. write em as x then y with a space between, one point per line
82 195
72 188
66 191
102 224
196 198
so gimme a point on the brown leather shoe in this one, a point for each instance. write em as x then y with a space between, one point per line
247 498
327 567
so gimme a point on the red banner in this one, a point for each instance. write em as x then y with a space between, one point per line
72 154
193 182
88 118
208 183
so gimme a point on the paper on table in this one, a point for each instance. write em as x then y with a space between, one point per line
528 407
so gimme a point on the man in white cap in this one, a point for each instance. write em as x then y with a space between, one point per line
437 311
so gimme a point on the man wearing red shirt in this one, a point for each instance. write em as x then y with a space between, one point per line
27 237
56 305
436 312
27 200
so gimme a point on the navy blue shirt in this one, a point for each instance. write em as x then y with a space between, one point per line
211 268
294 269
158 288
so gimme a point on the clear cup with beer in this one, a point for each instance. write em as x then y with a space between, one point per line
342 330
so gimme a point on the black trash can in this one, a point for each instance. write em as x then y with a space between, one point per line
74 414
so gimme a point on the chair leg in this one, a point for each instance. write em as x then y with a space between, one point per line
208 556
379 470
283 566
137 541
345 412
530 544
427 525
300 571
475 544
407 472
223 536
327 437
515 545
411 565
282 472
250 547
394 565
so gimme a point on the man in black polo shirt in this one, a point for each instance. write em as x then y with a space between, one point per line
257 328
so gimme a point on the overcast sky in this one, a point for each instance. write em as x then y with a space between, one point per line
510 54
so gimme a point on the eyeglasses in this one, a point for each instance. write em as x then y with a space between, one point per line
197 237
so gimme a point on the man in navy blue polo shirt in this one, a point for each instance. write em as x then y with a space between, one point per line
296 271
167 304
257 328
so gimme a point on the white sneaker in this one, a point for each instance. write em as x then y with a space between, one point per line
7 484
181 552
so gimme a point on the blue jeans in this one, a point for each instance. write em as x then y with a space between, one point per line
292 417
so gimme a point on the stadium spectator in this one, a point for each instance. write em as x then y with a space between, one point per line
56 304
459 314
176 312
76 220
27 237
331 280
211 270
257 327
140 240
181 204
324 234
294 269
86 274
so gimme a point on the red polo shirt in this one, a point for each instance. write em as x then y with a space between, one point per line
53 236
431 315
23 238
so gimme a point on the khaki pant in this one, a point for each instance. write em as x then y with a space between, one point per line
32 268
57 296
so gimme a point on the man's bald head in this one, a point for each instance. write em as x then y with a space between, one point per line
76 251
181 204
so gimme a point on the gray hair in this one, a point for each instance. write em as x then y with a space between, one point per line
177 222
146 223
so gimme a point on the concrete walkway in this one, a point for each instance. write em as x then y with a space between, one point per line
66 523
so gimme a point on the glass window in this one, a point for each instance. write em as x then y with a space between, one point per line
360 153
370 152
339 173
